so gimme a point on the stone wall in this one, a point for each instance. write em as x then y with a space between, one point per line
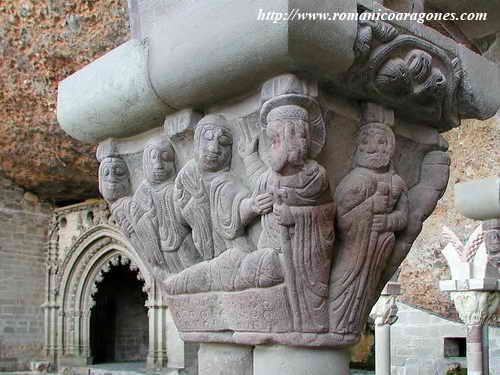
23 225
418 343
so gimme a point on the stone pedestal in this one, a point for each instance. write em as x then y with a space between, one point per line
286 360
225 359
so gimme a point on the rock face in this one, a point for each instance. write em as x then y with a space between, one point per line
41 42
474 153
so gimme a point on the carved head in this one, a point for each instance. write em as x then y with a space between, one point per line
375 146
288 130
213 143
492 239
394 78
158 160
114 179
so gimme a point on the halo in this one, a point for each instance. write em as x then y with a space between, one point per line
316 122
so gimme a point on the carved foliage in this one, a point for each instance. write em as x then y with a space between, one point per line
477 308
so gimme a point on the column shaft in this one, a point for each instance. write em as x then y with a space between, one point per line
383 349
287 360
225 359
475 350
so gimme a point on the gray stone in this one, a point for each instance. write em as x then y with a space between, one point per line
479 199
115 97
283 360
222 359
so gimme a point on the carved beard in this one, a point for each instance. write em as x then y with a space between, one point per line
373 161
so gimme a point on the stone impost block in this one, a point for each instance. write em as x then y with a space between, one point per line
195 61
479 199
469 285
392 289
110 97
283 360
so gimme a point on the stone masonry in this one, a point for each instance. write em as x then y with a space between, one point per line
23 225
418 343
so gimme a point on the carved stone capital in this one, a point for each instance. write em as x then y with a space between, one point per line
477 308
385 311
256 240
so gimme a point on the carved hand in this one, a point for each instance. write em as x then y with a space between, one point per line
262 204
379 223
284 214
380 201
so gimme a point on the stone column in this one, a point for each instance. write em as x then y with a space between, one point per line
384 314
475 284
476 309
157 310
290 360
226 359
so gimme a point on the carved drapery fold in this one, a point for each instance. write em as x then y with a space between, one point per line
270 249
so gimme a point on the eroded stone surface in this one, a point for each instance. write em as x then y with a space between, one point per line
42 43
268 261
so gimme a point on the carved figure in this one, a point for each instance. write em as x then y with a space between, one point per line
412 76
416 78
492 240
114 179
372 206
171 245
114 185
302 222
214 203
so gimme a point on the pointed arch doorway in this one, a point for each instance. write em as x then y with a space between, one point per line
119 325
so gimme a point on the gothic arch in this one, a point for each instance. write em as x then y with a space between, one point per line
87 260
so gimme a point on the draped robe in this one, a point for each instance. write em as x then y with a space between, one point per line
362 253
307 246
171 247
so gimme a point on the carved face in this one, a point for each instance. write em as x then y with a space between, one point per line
215 148
158 162
114 181
288 143
492 239
375 148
